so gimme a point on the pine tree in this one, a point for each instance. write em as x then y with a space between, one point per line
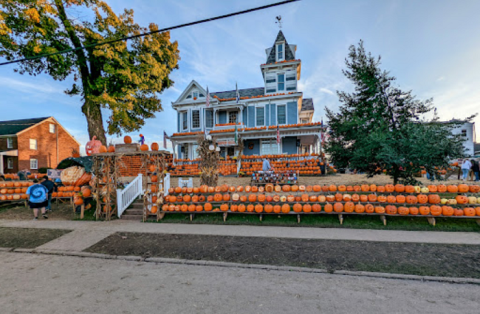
381 128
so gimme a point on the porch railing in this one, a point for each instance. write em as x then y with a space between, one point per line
128 195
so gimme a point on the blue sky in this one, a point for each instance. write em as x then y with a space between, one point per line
431 46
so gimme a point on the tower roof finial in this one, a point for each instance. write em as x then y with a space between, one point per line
279 21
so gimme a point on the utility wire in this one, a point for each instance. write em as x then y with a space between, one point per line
153 32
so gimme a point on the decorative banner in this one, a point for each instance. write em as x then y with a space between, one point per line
54 173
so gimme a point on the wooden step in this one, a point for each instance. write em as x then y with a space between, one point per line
133 211
137 205
132 217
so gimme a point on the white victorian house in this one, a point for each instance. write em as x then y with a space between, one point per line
256 115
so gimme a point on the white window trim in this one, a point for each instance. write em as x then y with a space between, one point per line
9 142
228 115
36 164
181 120
10 163
50 128
213 118
199 120
264 120
275 140
276 51
286 116
30 144
284 81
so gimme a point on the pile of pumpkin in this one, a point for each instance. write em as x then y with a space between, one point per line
397 200
11 176
227 167
76 184
14 191
304 167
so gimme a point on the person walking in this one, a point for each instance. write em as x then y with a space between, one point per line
466 165
476 170
37 199
266 165
51 187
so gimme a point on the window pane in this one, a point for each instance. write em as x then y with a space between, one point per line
269 147
33 164
10 163
33 144
9 142
260 116
184 119
195 119
272 90
194 151
282 118
209 118
281 82
280 51
52 128
232 117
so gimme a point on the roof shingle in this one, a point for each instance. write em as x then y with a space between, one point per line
246 92
307 104
15 126
288 52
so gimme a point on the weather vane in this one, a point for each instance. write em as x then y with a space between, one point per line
279 21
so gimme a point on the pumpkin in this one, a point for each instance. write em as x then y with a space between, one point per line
391 209
379 209
359 208
187 198
218 189
325 188
458 212
183 207
424 210
381 189
269 188
330 198
268 208
338 197
278 188
342 188
338 207
217 197
226 197
285 208
93 146
102 149
208 207
391 199
224 207
127 140
328 208
349 207
435 210
433 199
373 187
321 199
400 199
211 189
441 188
317 188
372 198
422 198
235 197
463 188
461 199
154 147
474 188
144 147
195 198
277 209
312 198
224 188
389 188
276 198
365 187
452 188
154 178
298 198
411 199
307 208
447 211
240 188
294 188
347 197
477 211
409 189
413 210
77 200
248 189
201 198
297 208
189 190
399 188
301 188
469 211
252 198
304 198
402 210
233 208
204 189
332 188
191 207
242 208
316 208
290 198
261 198
432 188
178 190
357 188
355 198
71 175
364 198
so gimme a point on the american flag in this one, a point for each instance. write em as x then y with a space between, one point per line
278 134
165 137
237 94
208 98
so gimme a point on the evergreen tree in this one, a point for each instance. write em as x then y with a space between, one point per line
380 128
122 77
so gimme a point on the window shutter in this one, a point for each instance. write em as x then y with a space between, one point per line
267 115
292 113
251 116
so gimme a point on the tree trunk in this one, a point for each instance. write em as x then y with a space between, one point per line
94 121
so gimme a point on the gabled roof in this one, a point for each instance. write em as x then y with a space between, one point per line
189 87
246 92
307 104
16 126
288 52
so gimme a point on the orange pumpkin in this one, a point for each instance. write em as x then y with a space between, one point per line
199 208
409 189
363 198
294 188
365 187
411 199
372 198
316 208
402 210
313 198
461 199
252 198
342 188
224 207
268 208
399 188
373 187
433 199
242 208
297 208
239 188
208 207
390 188
307 208
325 188
435 210
338 207
447 211
379 209
469 211
277 209
317 188
154 146
458 212
144 147
261 198
391 199
347 197
413 210
328 208
422 198
187 198
183 207
424 210
338 197
127 140
381 189
269 188
226 197
391 209
432 188
463 188
452 189
441 188
191 207
217 197
285 208
349 207
359 208
400 199
332 188
286 188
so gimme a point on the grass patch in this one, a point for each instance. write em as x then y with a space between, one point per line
330 221
28 238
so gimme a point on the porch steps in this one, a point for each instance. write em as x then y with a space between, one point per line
134 212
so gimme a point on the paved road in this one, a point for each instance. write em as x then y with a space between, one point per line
31 283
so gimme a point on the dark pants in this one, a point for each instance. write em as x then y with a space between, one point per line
477 176
49 206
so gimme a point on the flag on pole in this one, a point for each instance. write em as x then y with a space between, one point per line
165 137
208 99
236 134
278 134
237 94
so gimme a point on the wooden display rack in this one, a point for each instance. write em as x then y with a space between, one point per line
106 171
157 162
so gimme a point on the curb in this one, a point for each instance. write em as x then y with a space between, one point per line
162 260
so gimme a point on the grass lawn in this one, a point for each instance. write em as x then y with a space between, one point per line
330 221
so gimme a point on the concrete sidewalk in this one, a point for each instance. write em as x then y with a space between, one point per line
87 233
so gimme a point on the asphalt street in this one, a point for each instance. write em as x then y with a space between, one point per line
35 283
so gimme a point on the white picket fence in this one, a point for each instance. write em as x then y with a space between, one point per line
128 195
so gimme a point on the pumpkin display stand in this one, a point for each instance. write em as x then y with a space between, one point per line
154 163
274 177
127 148
383 201
106 171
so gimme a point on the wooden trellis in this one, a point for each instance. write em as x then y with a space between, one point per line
155 165
106 170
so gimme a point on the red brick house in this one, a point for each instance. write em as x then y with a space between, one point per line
31 144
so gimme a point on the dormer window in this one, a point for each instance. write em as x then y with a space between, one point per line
280 52
195 95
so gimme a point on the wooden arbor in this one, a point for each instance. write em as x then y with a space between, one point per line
107 169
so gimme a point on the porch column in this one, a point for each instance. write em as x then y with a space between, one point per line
1 164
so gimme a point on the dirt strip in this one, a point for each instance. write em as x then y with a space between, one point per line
400 258
28 238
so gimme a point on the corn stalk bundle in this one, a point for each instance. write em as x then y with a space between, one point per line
209 162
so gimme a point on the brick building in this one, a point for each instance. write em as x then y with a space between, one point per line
31 144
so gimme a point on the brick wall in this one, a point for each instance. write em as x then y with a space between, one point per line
3 143
46 152
132 165
5 164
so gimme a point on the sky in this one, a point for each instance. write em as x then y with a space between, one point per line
432 47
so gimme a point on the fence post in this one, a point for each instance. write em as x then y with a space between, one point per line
119 203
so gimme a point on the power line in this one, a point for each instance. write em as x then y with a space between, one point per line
152 32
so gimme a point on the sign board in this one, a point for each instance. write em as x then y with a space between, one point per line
227 143
54 173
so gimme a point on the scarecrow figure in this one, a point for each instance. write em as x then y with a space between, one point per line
142 139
